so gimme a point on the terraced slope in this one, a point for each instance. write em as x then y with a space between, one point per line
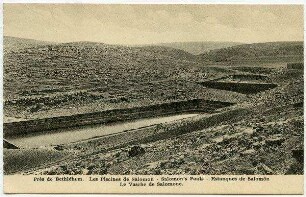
42 80
87 76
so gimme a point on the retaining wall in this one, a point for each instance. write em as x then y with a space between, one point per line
295 65
244 88
9 145
249 77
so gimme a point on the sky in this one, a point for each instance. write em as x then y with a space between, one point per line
147 24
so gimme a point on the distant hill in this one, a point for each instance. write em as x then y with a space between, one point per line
257 51
126 53
39 68
14 44
85 65
197 48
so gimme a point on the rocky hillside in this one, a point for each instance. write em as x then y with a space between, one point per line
258 51
197 48
263 136
14 44
86 65
96 76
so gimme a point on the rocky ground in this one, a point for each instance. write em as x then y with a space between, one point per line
268 145
267 141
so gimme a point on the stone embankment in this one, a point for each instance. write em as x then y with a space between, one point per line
244 88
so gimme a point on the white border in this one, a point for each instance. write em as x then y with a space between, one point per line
161 1
1 98
264 2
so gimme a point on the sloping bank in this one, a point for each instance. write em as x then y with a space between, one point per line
157 132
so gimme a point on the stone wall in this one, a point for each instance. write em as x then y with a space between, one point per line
295 65
244 88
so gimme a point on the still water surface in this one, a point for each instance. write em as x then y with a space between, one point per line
68 135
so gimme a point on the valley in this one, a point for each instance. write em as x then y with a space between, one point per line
94 108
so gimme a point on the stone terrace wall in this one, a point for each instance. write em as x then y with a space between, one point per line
295 65
244 88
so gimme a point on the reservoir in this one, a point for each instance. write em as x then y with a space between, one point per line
74 134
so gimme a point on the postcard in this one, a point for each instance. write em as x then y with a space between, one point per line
153 98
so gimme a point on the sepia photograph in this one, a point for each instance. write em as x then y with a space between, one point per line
167 89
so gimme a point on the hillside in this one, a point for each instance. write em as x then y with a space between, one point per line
257 51
80 74
197 48
14 44
86 76
86 65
